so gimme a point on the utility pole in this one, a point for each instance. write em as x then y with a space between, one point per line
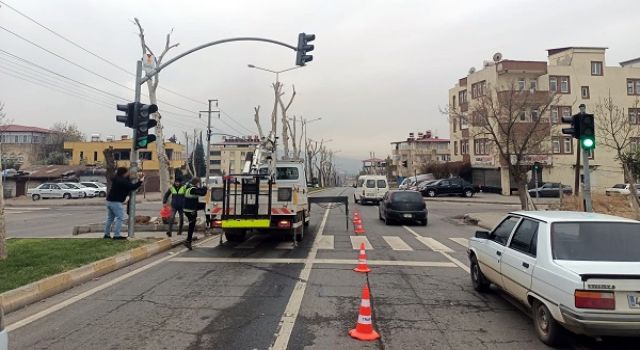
587 143
576 188
209 111
134 154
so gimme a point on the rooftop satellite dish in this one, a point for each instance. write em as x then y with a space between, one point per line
497 57
472 70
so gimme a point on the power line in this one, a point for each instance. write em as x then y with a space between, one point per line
89 51
236 122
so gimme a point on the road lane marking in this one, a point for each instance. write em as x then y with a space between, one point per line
327 242
285 245
252 242
461 241
316 261
291 311
356 241
396 243
434 245
90 292
457 262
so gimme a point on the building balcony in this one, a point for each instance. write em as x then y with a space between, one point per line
519 67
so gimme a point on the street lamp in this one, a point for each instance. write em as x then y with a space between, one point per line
276 72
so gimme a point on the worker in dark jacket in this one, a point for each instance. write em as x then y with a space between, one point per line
121 187
191 206
176 191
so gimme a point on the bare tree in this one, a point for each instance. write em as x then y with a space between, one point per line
296 140
256 119
512 119
285 122
191 142
3 231
152 86
617 133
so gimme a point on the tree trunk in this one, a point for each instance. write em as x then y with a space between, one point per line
163 160
3 232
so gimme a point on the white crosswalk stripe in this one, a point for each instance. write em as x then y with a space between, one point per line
326 242
461 241
434 245
285 245
356 241
396 243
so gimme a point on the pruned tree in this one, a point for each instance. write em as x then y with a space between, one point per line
3 231
152 86
616 132
296 140
285 122
256 119
190 141
515 123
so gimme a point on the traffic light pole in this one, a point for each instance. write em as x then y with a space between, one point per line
134 156
586 191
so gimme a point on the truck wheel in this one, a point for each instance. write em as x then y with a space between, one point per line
480 283
235 235
299 233
548 329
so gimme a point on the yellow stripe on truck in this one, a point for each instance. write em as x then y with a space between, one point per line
246 223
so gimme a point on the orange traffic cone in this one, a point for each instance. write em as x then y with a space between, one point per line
357 221
356 215
362 261
364 328
359 229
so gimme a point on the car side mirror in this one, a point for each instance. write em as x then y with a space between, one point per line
482 234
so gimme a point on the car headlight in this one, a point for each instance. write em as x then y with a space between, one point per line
284 194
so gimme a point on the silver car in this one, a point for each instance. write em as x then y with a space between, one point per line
88 191
54 190
102 188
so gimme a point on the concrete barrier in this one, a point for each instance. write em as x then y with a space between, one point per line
44 288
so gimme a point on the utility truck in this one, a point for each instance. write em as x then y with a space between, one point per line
269 197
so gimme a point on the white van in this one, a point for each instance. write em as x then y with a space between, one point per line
370 188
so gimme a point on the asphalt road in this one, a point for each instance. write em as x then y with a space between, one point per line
58 221
264 293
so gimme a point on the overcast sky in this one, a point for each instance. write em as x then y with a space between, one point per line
381 68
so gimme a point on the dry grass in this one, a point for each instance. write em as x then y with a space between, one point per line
613 205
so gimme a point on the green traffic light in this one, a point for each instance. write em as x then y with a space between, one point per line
587 143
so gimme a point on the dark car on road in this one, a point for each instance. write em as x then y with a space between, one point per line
403 206
550 189
448 187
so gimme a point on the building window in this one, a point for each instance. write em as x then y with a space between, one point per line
15 139
455 148
522 116
535 114
170 154
95 156
560 84
215 161
462 97
478 89
455 125
634 116
533 85
464 123
567 145
596 68
633 86
521 84
555 142
559 111
145 155
82 156
453 99
480 147
554 115
584 92
216 153
464 146
634 144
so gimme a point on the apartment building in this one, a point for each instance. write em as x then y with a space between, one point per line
578 75
417 150
23 145
228 156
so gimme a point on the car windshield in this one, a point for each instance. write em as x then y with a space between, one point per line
360 182
408 197
595 241
619 186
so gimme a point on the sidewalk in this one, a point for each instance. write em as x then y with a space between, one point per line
485 220
24 201
491 198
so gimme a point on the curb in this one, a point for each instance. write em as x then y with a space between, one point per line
69 203
99 227
477 222
20 297
471 201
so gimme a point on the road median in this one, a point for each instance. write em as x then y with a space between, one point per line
24 295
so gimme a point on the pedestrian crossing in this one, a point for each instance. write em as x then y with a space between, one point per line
395 243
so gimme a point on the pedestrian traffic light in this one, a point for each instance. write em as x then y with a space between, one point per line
142 123
587 132
303 47
536 166
574 130
127 118
405 163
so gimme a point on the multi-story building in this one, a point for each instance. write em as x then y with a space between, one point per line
23 145
578 75
91 153
416 151
228 156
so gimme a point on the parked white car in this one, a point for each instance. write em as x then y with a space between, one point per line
87 191
102 188
54 190
621 189
575 271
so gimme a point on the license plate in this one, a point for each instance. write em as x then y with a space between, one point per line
407 216
634 301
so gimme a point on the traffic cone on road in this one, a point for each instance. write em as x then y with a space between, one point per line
364 327
362 261
359 229
357 221
356 216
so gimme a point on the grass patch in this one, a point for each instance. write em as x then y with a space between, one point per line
33 259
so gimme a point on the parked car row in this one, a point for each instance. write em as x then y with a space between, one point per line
68 190
550 189
621 189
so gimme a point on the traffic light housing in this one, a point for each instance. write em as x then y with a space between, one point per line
405 163
127 118
574 130
587 132
142 122
303 48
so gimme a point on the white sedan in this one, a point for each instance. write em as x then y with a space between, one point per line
620 189
87 191
54 190
575 271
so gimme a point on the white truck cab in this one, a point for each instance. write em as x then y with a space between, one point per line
370 188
